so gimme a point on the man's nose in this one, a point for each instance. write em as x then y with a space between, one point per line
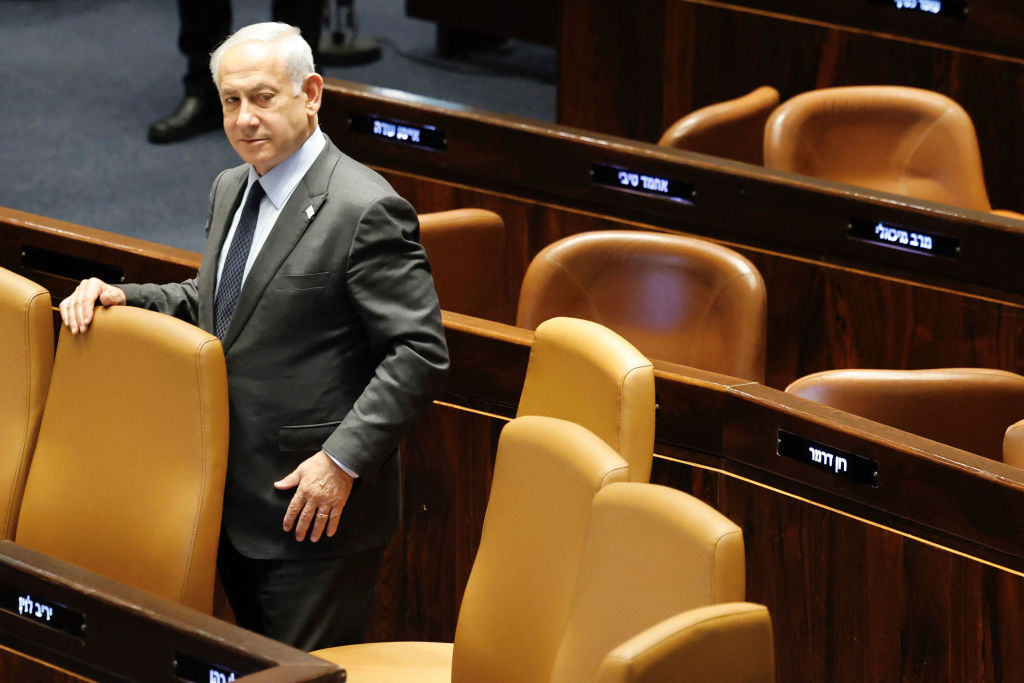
247 115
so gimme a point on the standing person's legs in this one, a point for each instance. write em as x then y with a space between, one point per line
308 15
310 604
203 25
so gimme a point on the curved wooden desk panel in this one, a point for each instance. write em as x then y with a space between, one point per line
677 55
551 165
863 583
833 301
62 623
888 579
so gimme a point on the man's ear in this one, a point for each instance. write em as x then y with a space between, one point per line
314 90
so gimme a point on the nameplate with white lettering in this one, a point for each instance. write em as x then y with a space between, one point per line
637 182
837 462
195 670
42 610
400 132
898 237
956 9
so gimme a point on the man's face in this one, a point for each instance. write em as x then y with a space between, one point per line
264 120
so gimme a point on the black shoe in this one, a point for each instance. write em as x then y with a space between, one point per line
195 115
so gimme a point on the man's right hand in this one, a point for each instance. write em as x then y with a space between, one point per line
76 310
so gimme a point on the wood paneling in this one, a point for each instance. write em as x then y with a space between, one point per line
534 20
919 579
833 301
698 52
129 635
820 316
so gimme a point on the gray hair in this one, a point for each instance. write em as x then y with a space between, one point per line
291 46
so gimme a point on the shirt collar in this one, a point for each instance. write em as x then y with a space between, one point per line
280 181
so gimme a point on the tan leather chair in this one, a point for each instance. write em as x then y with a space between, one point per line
26 360
1013 444
585 373
733 129
128 474
652 553
726 643
675 298
466 248
518 595
895 139
969 408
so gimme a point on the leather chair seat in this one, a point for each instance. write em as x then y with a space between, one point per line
969 408
733 129
906 141
584 373
399 662
26 363
725 643
675 298
128 475
546 473
466 249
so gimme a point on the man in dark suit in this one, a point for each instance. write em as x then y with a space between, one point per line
333 340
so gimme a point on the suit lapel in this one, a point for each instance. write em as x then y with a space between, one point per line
231 185
295 217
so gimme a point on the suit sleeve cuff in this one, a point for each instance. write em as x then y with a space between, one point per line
342 465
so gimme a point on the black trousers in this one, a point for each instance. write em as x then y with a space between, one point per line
310 604
205 23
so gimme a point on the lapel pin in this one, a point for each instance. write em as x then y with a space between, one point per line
309 212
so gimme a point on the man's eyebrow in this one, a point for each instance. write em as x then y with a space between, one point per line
230 89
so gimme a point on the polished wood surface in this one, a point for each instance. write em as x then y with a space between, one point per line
919 578
677 55
833 302
129 635
533 20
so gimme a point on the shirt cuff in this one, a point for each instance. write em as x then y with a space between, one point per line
342 465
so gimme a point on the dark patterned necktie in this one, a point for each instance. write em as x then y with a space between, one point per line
234 265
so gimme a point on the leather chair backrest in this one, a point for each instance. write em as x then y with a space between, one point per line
969 408
128 475
26 360
651 552
895 139
675 298
516 601
1013 444
584 373
466 249
726 643
733 129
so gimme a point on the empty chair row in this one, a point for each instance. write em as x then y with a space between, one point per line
903 140
975 409
582 577
676 298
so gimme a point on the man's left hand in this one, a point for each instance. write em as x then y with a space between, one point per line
321 491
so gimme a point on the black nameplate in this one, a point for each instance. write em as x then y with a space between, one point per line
839 463
904 239
41 610
628 180
413 135
956 9
195 670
